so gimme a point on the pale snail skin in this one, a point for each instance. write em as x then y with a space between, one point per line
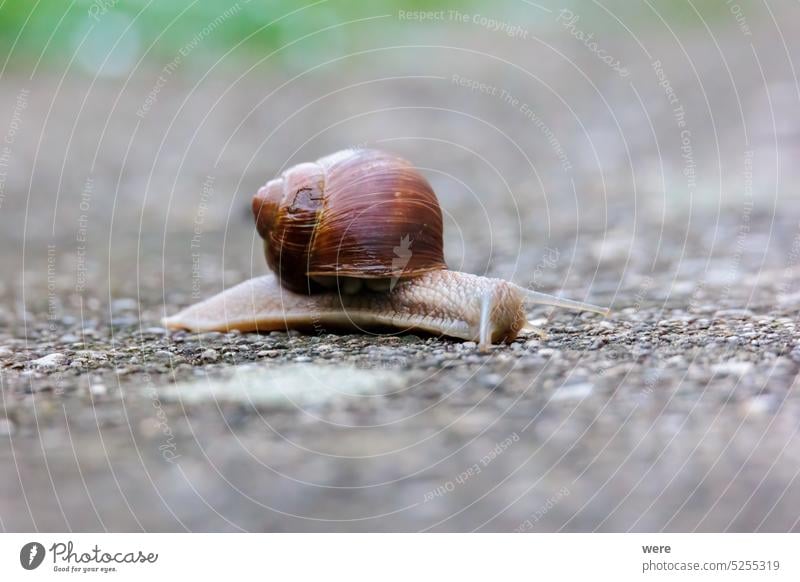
434 299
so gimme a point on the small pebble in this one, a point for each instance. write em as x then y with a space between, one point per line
573 392
91 355
732 368
7 427
492 380
759 405
124 304
49 361
154 330
210 355
163 355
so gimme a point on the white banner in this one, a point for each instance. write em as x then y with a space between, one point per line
401 557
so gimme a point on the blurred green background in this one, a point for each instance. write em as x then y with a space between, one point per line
49 31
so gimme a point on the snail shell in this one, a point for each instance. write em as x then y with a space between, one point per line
354 216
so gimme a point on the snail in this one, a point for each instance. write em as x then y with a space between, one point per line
355 241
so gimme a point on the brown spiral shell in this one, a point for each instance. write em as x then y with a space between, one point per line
361 213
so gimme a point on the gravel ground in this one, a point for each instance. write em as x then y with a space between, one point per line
678 412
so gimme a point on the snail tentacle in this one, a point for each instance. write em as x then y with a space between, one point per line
485 327
538 298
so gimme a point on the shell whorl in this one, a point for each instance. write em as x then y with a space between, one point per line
362 214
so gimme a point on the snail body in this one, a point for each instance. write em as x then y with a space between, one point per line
354 241
438 302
